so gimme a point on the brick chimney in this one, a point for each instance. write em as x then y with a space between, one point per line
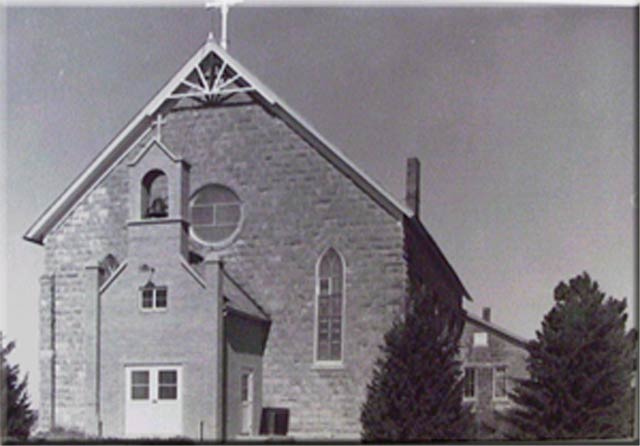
413 185
486 314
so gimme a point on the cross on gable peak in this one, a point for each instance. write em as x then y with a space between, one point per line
224 10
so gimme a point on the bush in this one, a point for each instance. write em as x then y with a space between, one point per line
17 411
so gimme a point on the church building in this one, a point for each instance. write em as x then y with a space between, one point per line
221 271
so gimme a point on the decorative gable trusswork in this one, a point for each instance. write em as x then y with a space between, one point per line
211 77
212 81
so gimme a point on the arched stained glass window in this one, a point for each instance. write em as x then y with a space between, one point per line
329 307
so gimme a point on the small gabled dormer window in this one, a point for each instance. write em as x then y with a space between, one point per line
153 297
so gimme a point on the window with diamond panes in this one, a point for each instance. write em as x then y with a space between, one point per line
329 307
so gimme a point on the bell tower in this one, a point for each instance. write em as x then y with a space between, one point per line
158 200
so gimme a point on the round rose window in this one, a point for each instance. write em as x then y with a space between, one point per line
216 212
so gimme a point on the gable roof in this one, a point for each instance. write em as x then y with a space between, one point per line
497 330
167 97
240 301
428 246
155 142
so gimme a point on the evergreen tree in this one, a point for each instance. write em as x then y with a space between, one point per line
17 416
580 369
416 390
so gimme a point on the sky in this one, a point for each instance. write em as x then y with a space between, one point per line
523 119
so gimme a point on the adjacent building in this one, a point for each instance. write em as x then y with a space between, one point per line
492 358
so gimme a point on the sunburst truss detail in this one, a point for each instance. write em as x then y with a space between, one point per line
211 81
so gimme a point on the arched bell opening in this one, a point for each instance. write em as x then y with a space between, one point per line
155 195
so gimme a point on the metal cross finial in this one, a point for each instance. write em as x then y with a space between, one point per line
224 10
158 124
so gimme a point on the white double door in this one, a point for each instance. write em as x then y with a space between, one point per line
154 401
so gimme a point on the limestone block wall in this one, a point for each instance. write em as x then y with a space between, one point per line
296 205
93 229
46 357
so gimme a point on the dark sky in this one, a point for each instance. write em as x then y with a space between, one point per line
523 119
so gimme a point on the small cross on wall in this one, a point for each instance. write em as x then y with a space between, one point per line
158 122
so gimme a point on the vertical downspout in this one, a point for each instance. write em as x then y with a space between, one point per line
214 280
98 361
223 429
92 347
53 351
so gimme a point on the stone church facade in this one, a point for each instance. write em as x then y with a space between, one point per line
220 262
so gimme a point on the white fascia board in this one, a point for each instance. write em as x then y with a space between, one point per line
349 168
352 170
196 276
156 142
84 182
106 160
113 277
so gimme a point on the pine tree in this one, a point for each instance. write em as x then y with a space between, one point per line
580 369
16 407
416 390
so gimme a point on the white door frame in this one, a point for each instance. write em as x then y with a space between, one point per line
153 416
247 405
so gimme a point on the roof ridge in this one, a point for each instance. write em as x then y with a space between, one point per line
522 342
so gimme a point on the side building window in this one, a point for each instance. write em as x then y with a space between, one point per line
480 339
469 385
500 382
153 297
329 307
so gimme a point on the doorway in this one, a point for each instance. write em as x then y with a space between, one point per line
153 401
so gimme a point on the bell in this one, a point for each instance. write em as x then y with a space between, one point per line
157 209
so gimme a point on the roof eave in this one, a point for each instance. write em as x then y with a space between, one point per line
418 223
344 164
499 331
142 120
49 218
